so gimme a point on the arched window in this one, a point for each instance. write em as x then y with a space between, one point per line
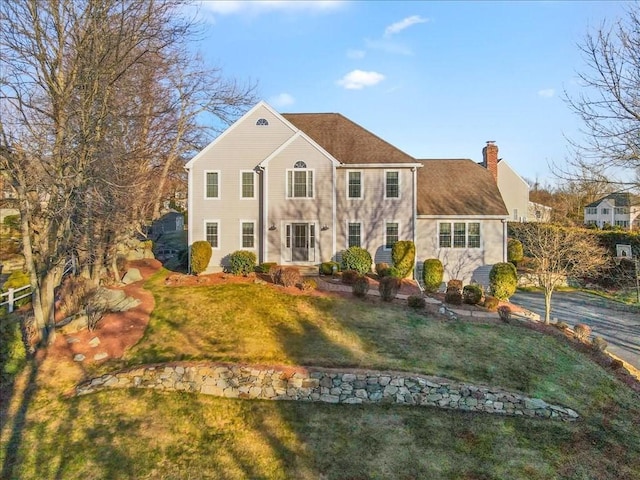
300 164
262 122
300 181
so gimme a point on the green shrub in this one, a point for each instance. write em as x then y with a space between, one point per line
432 274
349 277
242 262
416 301
290 276
403 255
382 269
599 344
12 222
265 267
200 256
503 279
356 258
582 332
389 287
327 268
491 303
515 251
18 279
360 286
504 312
472 294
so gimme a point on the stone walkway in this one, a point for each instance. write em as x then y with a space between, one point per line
329 386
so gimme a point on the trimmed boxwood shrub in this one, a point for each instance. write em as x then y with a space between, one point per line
403 255
472 294
265 267
503 279
515 251
356 258
432 274
388 288
360 286
242 262
382 269
200 256
326 268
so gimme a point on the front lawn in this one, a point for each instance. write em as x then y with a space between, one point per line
145 434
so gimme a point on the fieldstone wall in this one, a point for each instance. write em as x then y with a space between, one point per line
327 385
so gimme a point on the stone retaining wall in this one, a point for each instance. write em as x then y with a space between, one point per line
327 385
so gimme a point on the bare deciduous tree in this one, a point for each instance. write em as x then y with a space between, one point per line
609 105
558 254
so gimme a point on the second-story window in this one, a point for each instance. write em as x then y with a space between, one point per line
392 184
354 188
247 184
300 181
212 187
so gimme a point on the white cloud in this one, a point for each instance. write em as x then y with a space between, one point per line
282 100
358 79
356 54
263 6
546 93
404 23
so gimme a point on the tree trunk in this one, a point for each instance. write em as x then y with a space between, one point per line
547 305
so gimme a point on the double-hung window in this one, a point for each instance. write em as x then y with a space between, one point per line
212 185
354 187
459 235
212 233
300 181
592 210
392 184
354 234
247 184
391 234
248 234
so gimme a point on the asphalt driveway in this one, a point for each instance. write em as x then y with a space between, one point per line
616 323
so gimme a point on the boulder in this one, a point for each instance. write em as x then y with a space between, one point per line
132 275
73 324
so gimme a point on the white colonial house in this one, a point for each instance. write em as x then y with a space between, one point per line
620 209
297 189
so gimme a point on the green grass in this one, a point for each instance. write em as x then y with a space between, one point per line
148 435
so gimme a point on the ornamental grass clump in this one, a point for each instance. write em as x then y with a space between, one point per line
389 288
504 312
582 332
289 276
491 303
599 344
432 274
360 286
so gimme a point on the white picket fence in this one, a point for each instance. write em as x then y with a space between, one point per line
13 295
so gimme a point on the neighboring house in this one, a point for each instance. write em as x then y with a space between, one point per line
169 222
617 209
539 212
297 189
514 190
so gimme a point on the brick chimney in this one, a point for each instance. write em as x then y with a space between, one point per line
490 158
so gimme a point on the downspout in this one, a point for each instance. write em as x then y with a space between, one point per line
262 199
190 215
414 172
504 240
334 213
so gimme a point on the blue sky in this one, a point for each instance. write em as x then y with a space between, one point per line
435 79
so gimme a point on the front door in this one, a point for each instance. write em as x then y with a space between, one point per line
300 246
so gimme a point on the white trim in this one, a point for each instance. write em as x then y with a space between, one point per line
384 233
261 104
204 232
361 184
241 243
242 185
399 185
463 217
297 135
205 174
313 183
283 245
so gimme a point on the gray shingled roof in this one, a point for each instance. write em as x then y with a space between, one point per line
457 187
345 140
620 199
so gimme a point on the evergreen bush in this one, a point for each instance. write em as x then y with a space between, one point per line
265 267
416 301
382 269
242 262
200 256
432 274
403 255
356 258
515 251
503 279
472 294
326 268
